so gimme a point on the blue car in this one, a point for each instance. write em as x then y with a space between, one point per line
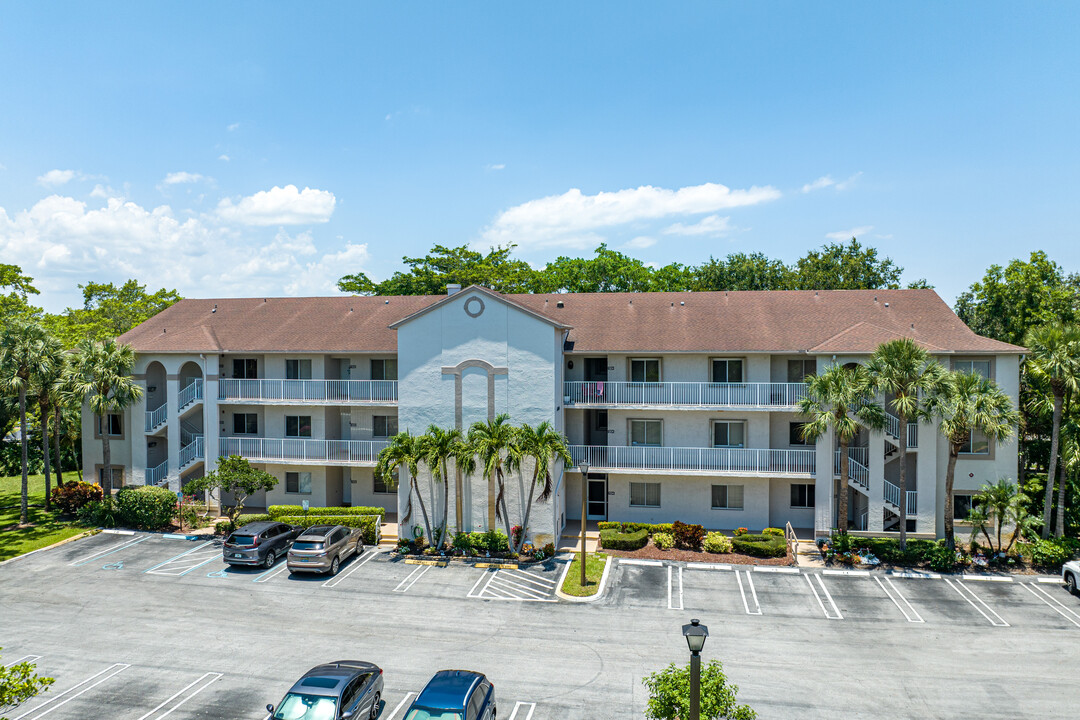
455 695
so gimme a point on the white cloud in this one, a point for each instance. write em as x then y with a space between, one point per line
848 234
62 241
233 127
175 178
640 243
822 182
56 178
571 220
223 157
845 184
497 166
711 225
280 206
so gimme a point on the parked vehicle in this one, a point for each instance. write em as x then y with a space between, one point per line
1070 573
259 543
322 548
455 695
334 691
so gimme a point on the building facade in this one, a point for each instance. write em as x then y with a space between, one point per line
683 405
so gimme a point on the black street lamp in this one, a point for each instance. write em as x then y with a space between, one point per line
583 466
695 634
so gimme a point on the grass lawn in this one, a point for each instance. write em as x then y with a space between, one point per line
594 570
45 528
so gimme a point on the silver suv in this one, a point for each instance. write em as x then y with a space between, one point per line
322 548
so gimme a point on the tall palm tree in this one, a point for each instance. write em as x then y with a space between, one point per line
464 456
437 447
965 403
67 415
543 445
101 373
404 453
840 399
999 505
905 370
493 441
23 356
1054 359
46 393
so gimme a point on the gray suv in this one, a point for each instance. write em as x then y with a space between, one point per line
322 548
259 543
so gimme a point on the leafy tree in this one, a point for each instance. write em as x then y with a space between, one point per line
845 267
15 289
405 452
903 369
669 694
966 402
46 389
430 275
25 353
1055 360
543 445
493 441
234 475
999 505
608 271
19 683
839 399
742 271
109 311
100 372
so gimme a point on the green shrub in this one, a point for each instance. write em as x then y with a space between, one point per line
223 527
255 517
612 540
73 495
717 542
664 541
687 537
100 513
609 525
462 541
940 558
494 541
774 532
740 531
148 507
629 527
370 525
1050 553
763 546
278 511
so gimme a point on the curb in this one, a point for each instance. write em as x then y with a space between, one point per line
608 562
65 541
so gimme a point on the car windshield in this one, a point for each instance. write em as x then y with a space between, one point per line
419 713
242 540
296 706
307 545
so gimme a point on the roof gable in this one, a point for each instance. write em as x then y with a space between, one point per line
473 290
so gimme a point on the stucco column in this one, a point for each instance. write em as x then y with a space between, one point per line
211 418
824 484
172 387
137 437
876 506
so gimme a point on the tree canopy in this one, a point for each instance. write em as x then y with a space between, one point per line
109 311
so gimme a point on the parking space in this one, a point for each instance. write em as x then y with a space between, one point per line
639 583
524 584
1025 605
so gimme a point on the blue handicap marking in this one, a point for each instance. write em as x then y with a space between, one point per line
218 574
118 565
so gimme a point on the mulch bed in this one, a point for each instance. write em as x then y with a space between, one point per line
651 552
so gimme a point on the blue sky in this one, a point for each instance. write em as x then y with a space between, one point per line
267 148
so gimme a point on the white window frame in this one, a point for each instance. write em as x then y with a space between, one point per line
386 427
809 487
970 445
728 360
727 496
959 365
303 368
376 482
803 361
644 488
971 504
299 425
300 475
630 432
384 362
246 360
245 415
659 369
712 433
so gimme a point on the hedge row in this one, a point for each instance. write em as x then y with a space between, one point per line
630 527
764 546
611 539
369 524
279 511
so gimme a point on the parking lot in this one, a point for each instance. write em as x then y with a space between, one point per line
147 626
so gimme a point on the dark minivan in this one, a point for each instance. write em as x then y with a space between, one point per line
455 695
259 543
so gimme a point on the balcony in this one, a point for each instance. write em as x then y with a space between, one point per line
308 392
299 451
697 461
685 395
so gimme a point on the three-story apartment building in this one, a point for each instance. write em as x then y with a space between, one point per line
683 405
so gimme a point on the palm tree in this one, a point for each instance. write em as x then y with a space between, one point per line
404 453
542 444
493 441
464 456
998 505
1055 359
67 415
23 356
437 447
101 373
46 392
839 399
965 403
906 371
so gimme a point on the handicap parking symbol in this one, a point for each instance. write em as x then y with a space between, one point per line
217 574
113 566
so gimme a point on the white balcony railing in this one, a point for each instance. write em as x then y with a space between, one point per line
737 461
155 475
193 451
892 427
892 496
858 465
191 393
309 391
304 451
685 394
156 418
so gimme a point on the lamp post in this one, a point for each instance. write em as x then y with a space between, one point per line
695 634
583 466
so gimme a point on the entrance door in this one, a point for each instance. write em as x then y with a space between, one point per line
597 497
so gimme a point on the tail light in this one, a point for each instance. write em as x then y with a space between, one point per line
255 541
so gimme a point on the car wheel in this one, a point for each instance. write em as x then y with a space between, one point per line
1070 582
334 566
375 706
270 559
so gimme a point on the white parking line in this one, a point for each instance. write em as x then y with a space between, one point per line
363 560
635 561
897 597
518 706
964 592
1047 598
514 585
670 591
271 574
913 574
108 551
109 672
817 597
415 575
213 677
24 658
986 578
178 557
400 705
753 592
774 569
510 585
707 566
1054 580
848 573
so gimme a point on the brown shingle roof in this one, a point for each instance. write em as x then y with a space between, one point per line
828 321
